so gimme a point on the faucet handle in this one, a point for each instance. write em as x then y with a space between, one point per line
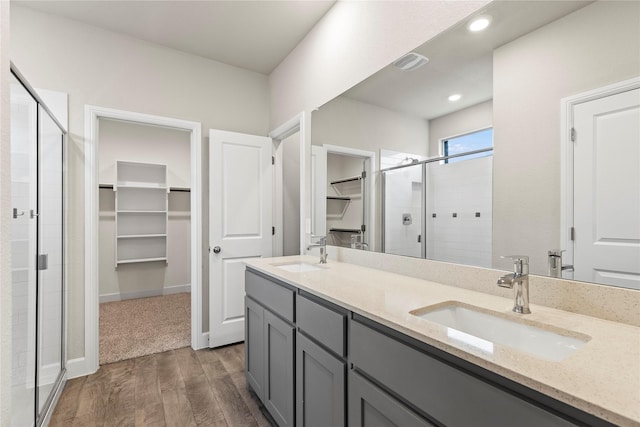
320 239
520 263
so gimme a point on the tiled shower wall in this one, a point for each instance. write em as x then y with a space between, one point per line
459 198
458 211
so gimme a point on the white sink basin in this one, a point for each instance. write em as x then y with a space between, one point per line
298 267
482 329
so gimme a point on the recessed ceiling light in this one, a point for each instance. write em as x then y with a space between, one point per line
455 97
479 23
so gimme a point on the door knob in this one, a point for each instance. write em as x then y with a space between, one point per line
216 249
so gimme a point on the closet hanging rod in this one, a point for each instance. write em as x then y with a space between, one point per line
179 189
18 75
438 159
341 181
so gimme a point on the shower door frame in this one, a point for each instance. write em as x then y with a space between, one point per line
43 417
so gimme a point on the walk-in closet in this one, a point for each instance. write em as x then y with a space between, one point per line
144 239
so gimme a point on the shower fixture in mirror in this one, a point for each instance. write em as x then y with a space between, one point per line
522 137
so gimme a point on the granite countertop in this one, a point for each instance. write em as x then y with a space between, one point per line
601 378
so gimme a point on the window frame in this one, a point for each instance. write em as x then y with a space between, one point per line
443 143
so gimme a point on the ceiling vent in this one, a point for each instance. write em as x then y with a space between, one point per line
411 61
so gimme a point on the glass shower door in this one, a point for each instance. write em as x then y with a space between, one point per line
50 259
402 229
23 250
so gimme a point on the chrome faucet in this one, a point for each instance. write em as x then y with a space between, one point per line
322 244
519 282
555 263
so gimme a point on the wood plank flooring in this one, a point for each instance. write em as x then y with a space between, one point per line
176 388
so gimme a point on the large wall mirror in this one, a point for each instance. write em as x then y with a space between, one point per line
466 154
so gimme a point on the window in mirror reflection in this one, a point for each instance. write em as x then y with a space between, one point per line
468 142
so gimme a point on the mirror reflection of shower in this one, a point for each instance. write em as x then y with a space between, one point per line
440 208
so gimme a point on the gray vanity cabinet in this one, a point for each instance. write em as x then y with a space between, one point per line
436 388
315 364
270 345
370 406
254 345
279 363
320 386
320 363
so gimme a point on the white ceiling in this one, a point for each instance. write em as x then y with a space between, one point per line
256 35
459 62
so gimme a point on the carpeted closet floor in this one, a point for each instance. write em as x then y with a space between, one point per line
142 326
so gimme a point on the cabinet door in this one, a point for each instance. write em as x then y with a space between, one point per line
279 364
254 346
320 377
369 406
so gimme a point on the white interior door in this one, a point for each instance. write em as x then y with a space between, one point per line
607 190
240 212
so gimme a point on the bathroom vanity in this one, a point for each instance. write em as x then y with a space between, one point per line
339 344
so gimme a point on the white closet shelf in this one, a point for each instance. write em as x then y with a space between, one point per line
142 207
131 261
138 236
145 185
140 212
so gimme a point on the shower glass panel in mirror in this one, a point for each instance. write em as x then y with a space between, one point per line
510 95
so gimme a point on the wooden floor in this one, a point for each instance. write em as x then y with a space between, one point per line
176 388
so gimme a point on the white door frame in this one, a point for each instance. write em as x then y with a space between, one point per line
371 179
285 130
90 363
566 175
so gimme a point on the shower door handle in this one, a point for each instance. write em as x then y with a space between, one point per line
43 262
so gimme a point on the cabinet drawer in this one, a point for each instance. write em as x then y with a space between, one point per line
369 406
277 297
324 324
440 390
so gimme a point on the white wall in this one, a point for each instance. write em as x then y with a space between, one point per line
102 68
354 124
5 232
350 43
147 144
590 48
467 120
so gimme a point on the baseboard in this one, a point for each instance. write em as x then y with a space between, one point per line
203 341
145 294
79 368
49 373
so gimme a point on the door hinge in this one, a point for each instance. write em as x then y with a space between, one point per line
363 228
364 174
273 231
573 134
572 234
273 160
